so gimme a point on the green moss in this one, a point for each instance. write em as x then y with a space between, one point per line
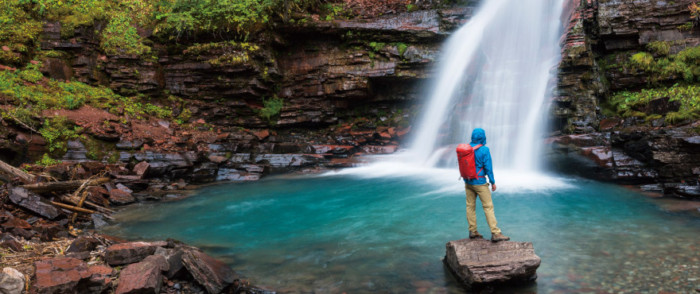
271 108
686 27
57 131
376 46
642 60
627 103
27 89
411 7
659 47
46 160
684 65
401 47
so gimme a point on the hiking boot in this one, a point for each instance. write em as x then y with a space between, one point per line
475 235
499 237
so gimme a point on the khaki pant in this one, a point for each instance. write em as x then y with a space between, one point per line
485 195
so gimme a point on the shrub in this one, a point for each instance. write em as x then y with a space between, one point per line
688 96
272 107
46 160
57 131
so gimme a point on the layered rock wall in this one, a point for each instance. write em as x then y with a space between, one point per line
601 37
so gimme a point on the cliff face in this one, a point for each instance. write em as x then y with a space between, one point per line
316 93
339 88
652 152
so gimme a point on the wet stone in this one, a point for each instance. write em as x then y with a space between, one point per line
482 263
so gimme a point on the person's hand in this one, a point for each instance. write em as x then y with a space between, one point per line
493 187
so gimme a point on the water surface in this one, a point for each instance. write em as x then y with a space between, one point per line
344 233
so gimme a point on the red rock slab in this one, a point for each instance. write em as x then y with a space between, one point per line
120 197
142 277
126 253
14 222
213 274
59 275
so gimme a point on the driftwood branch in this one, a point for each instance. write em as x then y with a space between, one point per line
99 208
72 208
63 186
13 172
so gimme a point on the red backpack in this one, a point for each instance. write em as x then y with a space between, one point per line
467 164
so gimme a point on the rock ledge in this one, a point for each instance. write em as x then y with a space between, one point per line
481 263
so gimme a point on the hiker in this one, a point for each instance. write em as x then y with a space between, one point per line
475 166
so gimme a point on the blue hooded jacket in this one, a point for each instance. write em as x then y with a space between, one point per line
482 156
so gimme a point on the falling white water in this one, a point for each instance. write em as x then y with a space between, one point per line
494 74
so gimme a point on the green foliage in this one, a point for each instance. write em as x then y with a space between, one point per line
57 131
46 160
685 65
642 60
227 53
19 30
686 27
31 73
376 46
628 103
237 16
659 47
411 7
157 111
120 37
27 90
401 47
272 107
335 10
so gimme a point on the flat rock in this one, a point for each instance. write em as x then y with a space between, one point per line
126 253
11 281
119 197
143 277
482 263
213 274
60 275
32 202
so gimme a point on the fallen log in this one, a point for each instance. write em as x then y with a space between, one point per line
62 186
72 208
100 208
8 172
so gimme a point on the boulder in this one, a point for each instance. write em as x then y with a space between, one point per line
83 243
482 263
10 242
119 197
126 253
174 259
32 202
143 277
213 274
59 275
141 169
100 278
11 281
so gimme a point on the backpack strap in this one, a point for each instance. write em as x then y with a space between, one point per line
477 146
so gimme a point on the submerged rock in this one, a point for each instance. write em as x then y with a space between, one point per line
482 263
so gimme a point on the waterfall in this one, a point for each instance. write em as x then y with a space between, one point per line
496 73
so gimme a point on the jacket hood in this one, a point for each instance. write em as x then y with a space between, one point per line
479 136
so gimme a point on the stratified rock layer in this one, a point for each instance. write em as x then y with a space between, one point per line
482 263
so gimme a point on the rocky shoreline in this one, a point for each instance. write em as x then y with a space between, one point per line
50 245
